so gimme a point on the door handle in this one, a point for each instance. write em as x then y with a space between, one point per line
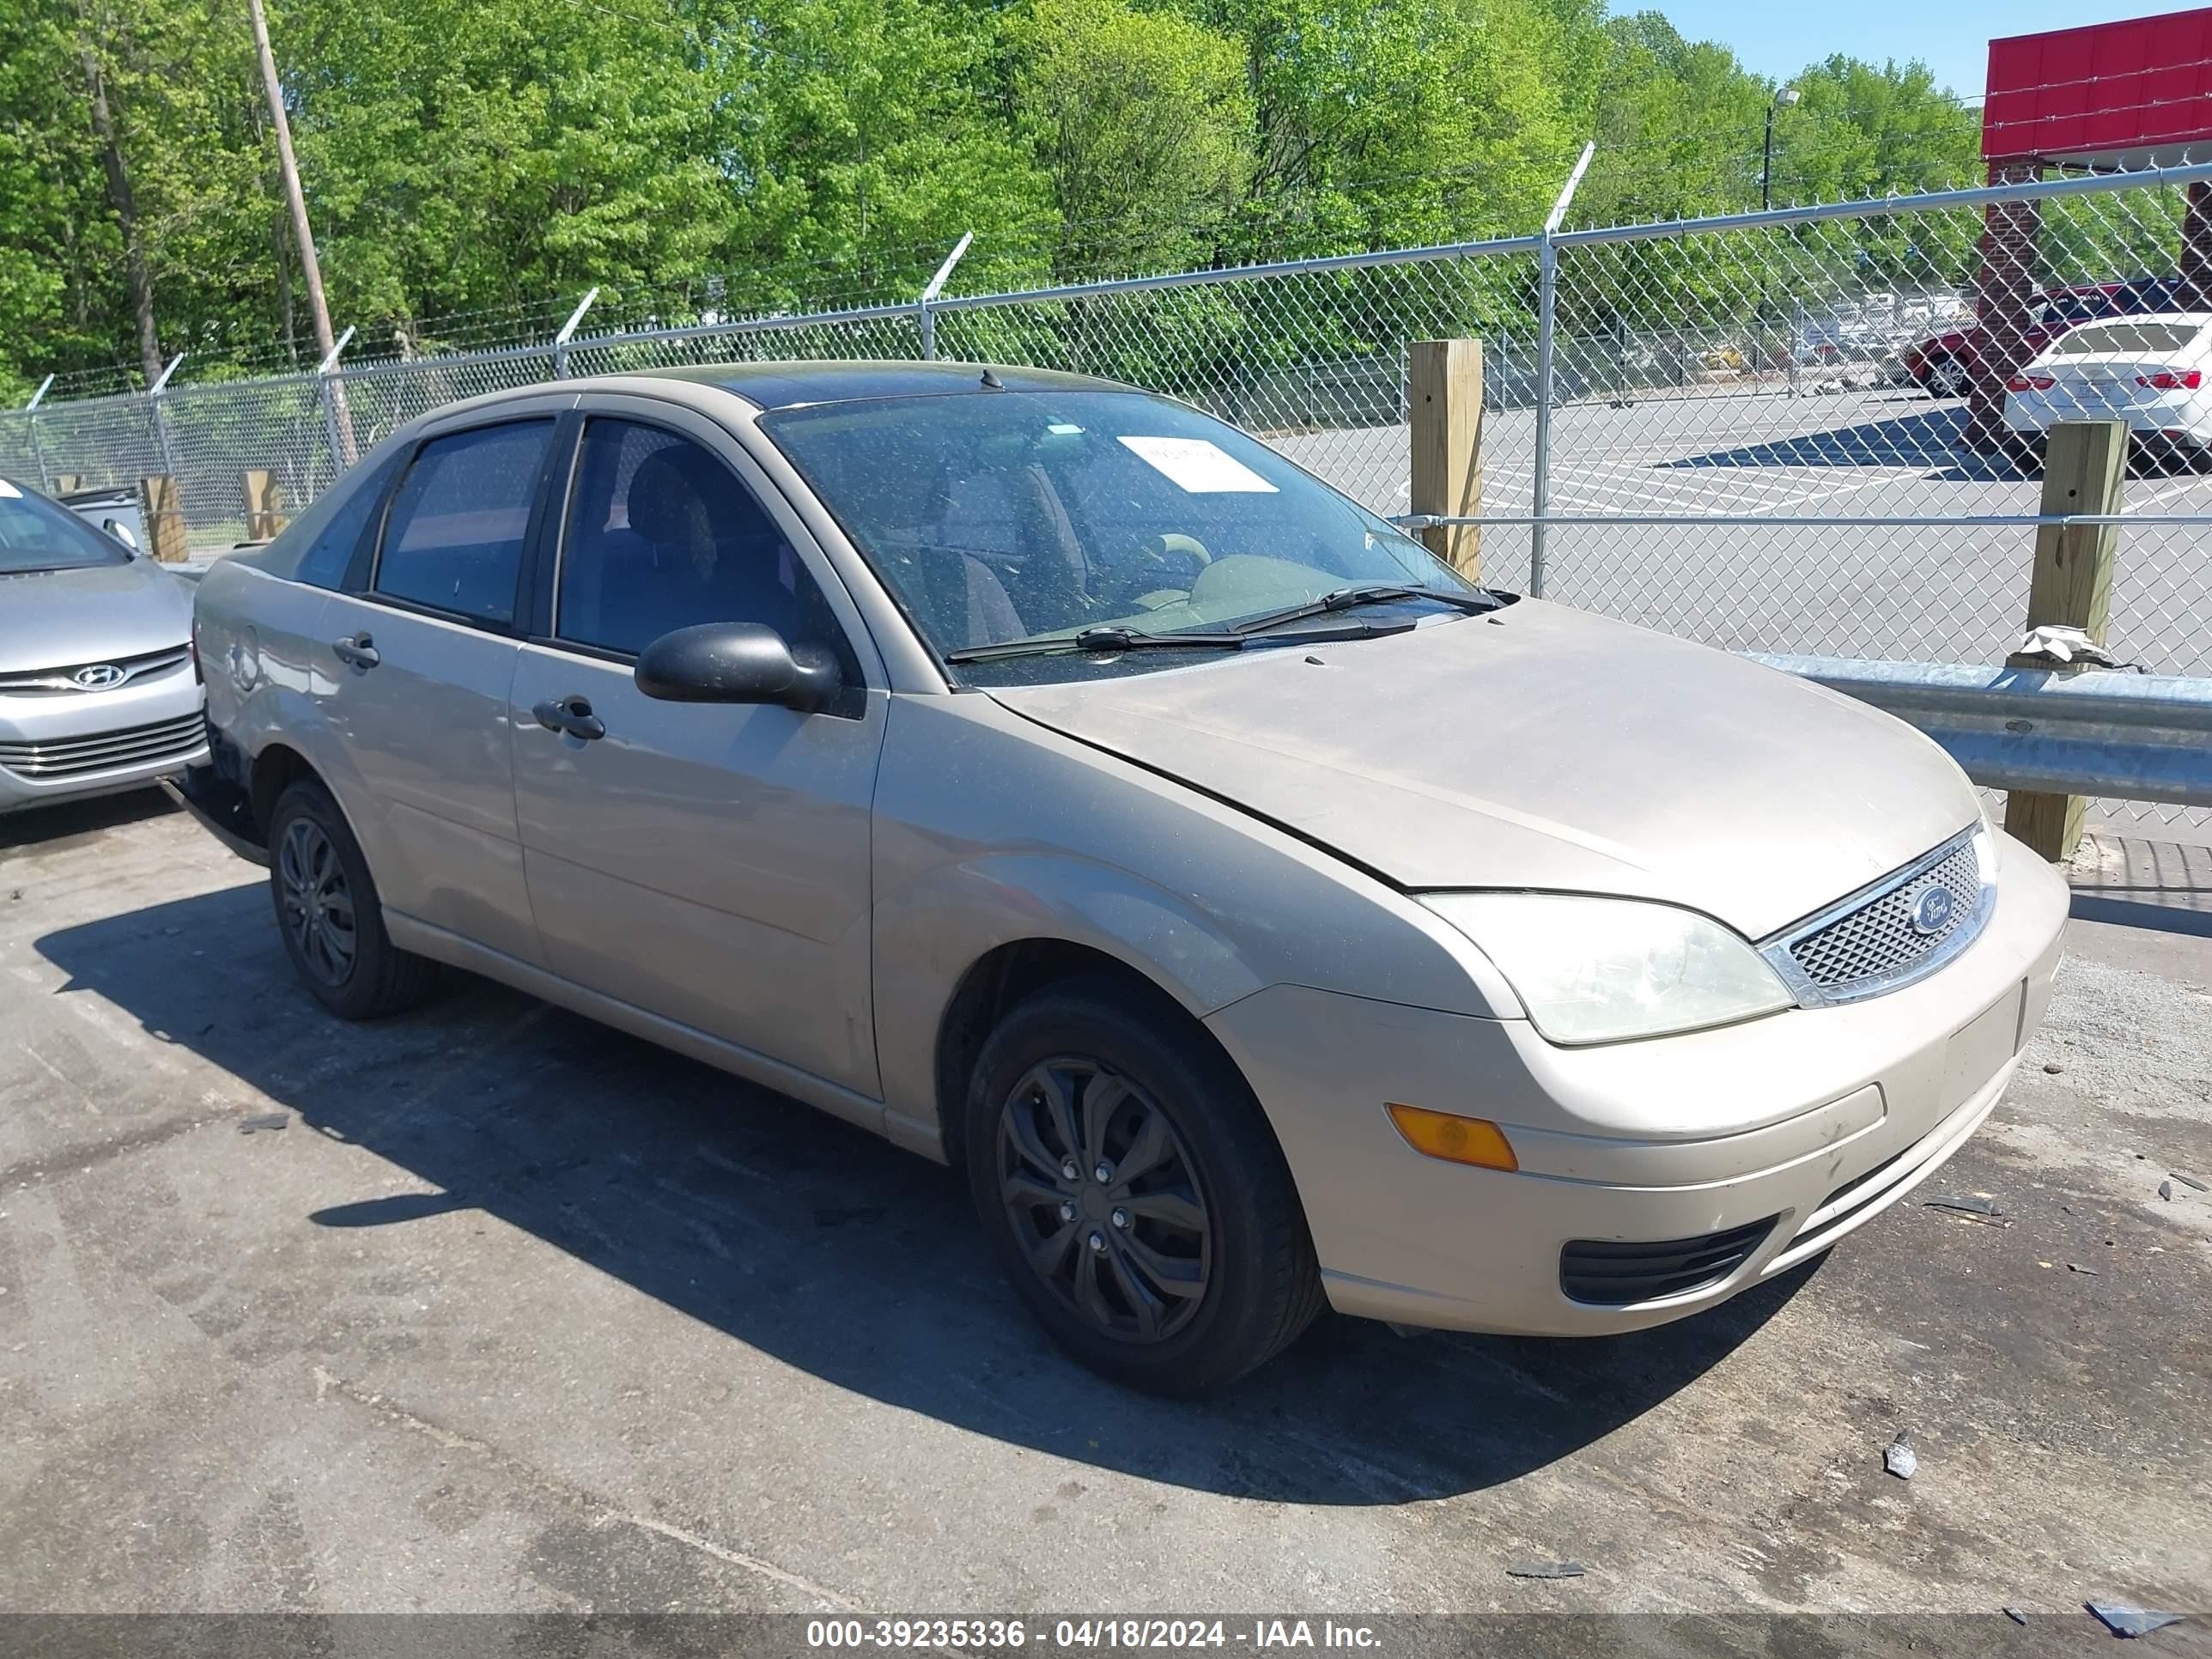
359 652
572 715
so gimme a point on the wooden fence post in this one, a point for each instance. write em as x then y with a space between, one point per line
1443 398
264 504
67 483
2071 587
162 505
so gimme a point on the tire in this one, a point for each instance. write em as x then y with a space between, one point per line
329 914
1947 378
1213 1217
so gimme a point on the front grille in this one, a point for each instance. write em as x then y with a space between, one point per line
104 752
1613 1272
1877 940
63 681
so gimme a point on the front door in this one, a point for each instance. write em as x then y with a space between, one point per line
418 666
708 863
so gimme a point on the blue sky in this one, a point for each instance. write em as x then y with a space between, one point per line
1777 38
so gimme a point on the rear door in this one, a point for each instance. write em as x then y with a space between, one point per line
709 863
417 659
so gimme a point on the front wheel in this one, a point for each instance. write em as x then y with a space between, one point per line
1133 1191
1947 378
327 909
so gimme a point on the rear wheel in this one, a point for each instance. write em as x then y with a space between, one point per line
1946 378
1133 1189
327 909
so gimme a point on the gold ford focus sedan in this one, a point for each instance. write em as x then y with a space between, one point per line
1063 785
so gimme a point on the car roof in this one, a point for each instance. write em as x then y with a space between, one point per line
782 385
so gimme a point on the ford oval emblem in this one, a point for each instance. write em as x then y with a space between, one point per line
1931 911
98 676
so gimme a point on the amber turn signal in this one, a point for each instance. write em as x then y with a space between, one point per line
1455 1139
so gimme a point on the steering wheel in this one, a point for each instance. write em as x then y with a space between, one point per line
1159 570
1173 544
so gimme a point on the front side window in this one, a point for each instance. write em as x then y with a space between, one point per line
661 535
37 534
453 540
999 516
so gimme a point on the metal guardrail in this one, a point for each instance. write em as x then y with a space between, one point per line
2120 736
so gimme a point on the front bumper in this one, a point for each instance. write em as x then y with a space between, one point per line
223 809
62 747
1791 1131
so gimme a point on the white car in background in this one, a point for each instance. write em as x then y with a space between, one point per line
2153 373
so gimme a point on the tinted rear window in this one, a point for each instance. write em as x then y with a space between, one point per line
2152 335
454 538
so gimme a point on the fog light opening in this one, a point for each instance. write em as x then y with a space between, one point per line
1453 1138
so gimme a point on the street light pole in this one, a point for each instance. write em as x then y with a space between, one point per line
1783 99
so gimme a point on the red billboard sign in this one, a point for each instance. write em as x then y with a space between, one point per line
2132 93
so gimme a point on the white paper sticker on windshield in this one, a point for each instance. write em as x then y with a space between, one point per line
1199 467
9 492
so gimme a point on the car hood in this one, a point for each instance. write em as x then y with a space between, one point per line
1544 748
58 618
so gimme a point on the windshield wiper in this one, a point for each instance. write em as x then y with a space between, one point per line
1344 599
1100 639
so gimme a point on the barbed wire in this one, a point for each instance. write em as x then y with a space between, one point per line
1038 253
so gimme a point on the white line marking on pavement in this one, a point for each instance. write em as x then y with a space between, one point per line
735 1557
327 1382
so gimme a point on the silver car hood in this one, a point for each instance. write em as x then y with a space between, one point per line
1545 748
60 618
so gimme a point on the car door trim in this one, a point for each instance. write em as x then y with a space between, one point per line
410 932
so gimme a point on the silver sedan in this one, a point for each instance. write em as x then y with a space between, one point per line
1063 785
98 691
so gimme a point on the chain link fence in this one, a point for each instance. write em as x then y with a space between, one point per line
1806 430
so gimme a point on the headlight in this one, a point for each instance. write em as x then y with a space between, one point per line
1600 970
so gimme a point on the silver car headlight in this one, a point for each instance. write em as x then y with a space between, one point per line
1603 970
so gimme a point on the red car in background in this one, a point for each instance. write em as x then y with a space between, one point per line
1944 364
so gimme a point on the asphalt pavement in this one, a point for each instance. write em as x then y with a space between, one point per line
514 1313
1930 591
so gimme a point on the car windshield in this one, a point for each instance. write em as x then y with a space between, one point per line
37 534
999 516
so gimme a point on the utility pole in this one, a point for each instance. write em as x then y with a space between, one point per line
324 341
326 344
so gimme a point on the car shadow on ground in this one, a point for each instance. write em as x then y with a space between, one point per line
817 1243
32 828
1930 438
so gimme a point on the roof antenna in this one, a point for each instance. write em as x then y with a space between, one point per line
991 382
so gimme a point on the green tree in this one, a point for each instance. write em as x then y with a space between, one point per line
697 156
1143 122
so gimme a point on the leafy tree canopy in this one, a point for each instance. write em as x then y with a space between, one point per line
471 166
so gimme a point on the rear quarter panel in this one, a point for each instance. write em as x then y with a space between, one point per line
258 636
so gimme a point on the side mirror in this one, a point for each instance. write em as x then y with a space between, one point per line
736 662
121 532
